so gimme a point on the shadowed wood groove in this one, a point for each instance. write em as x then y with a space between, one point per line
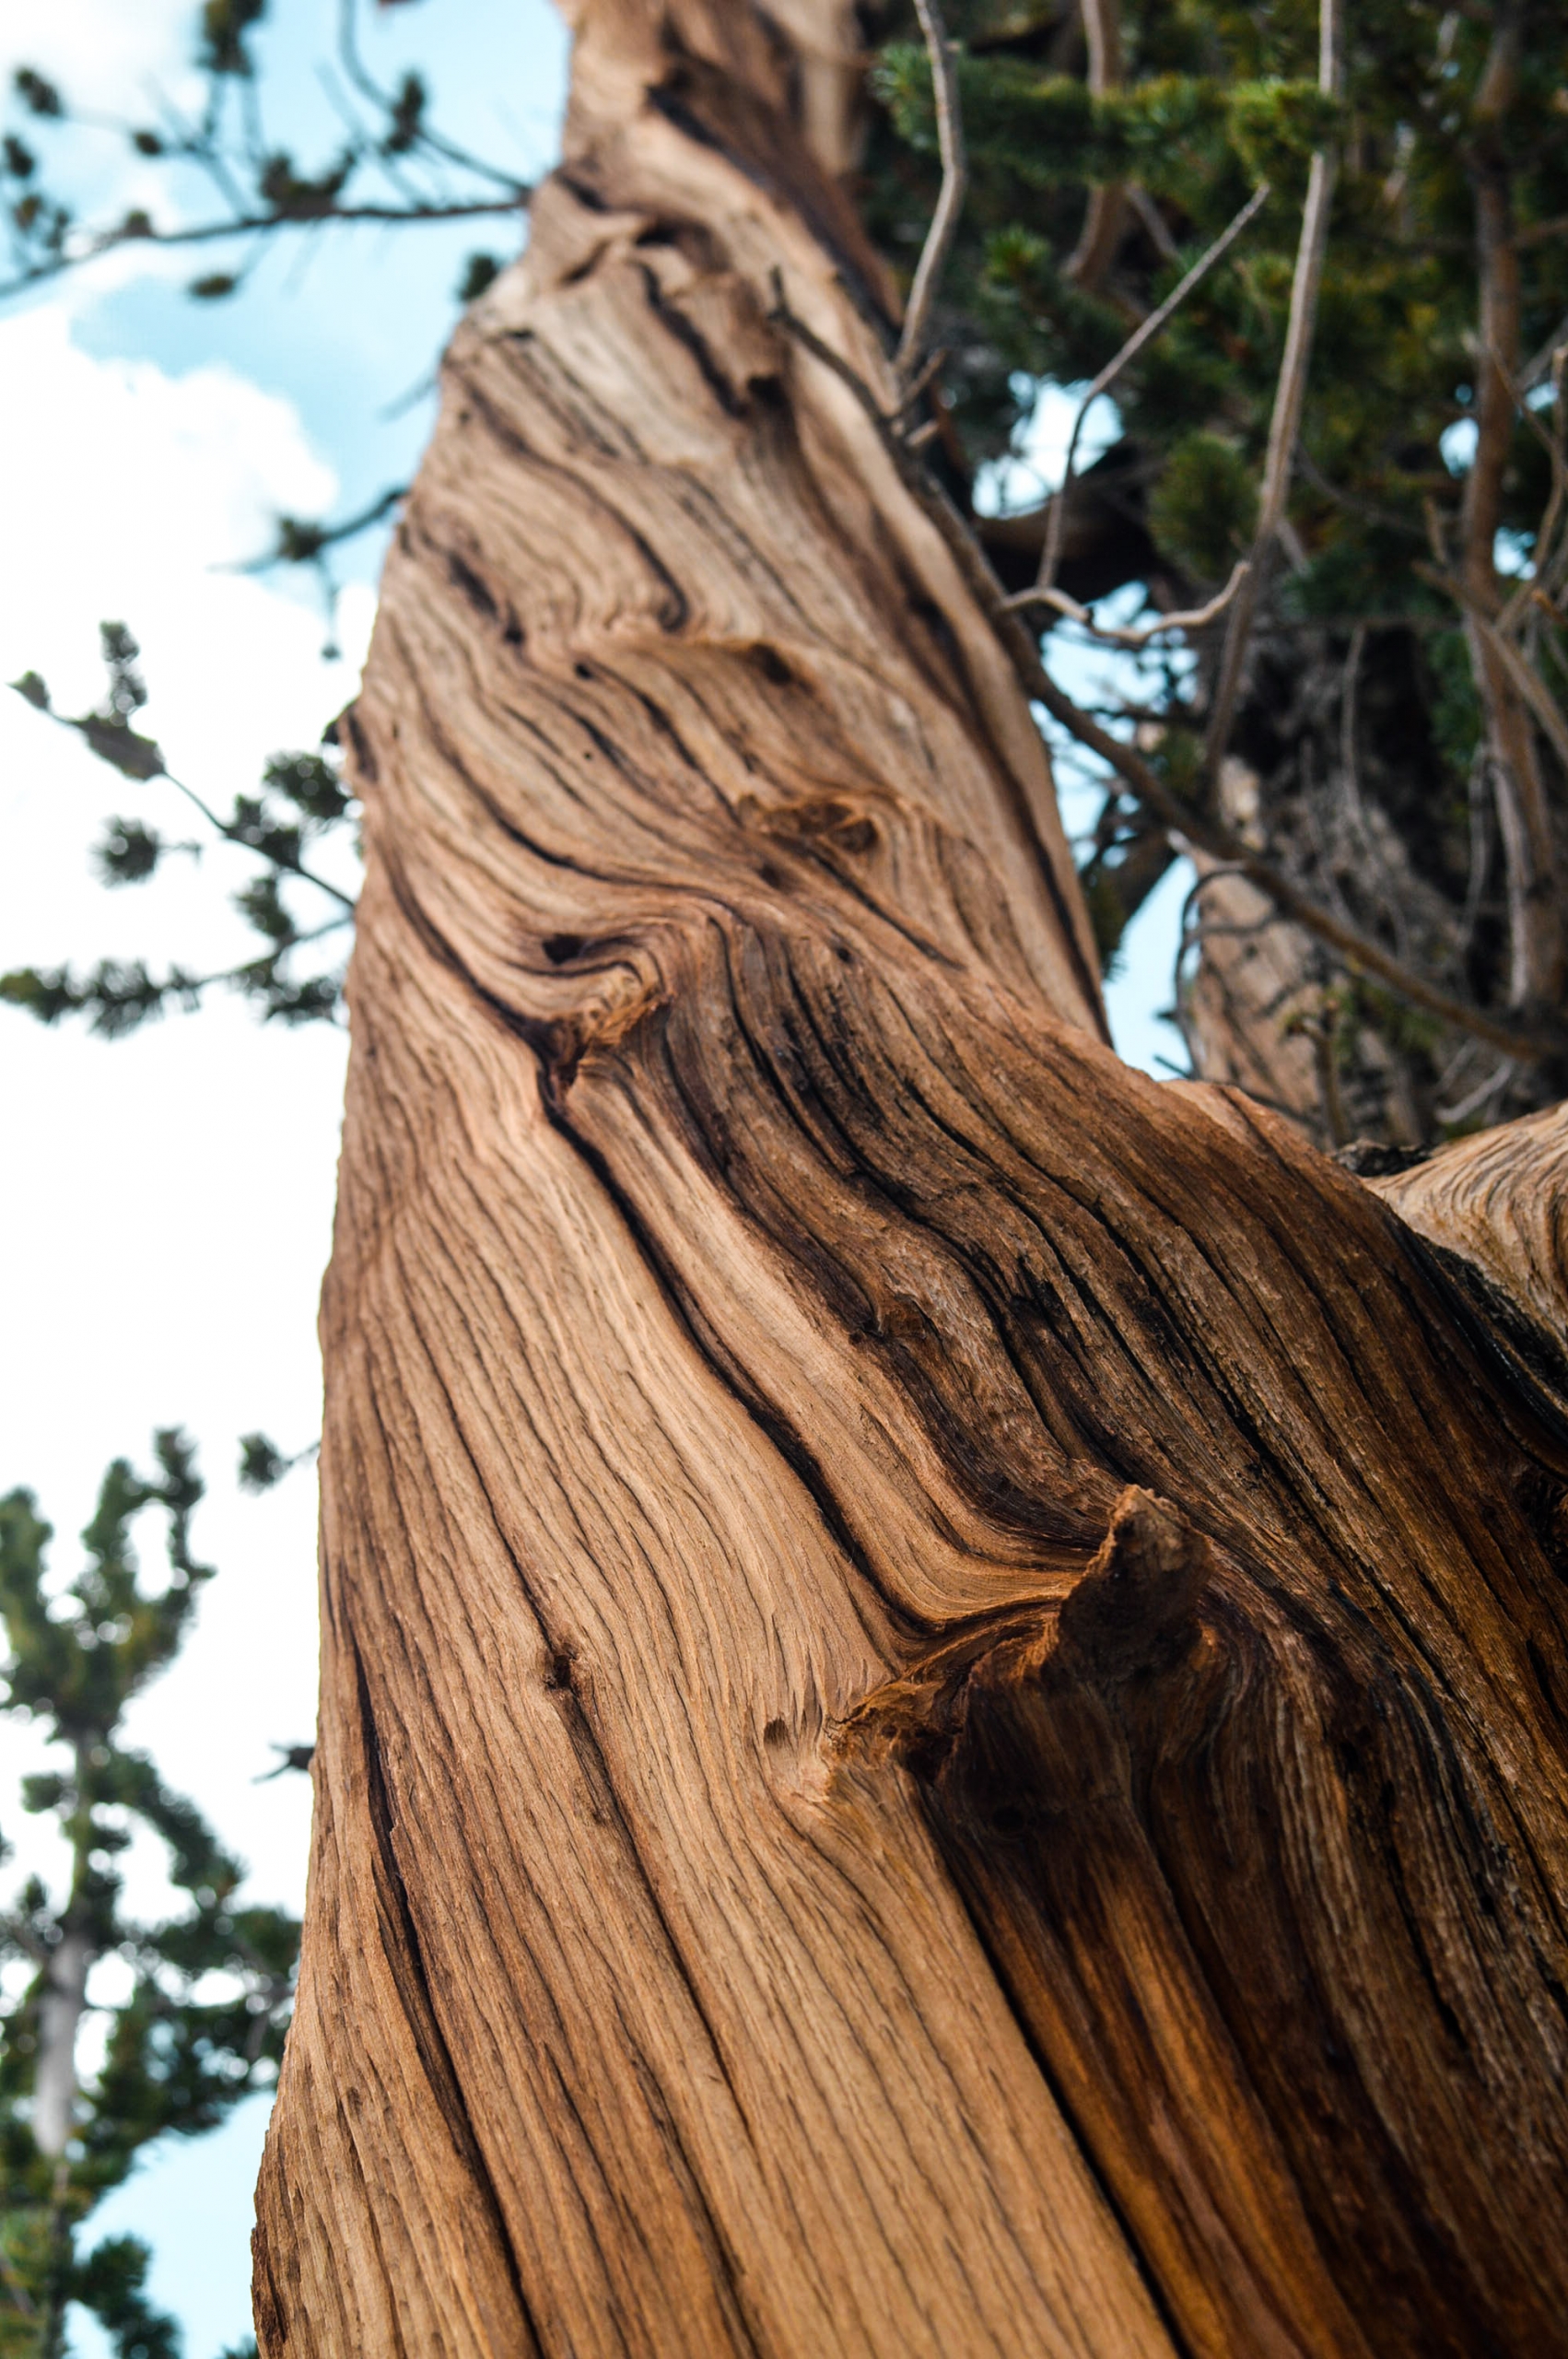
943 1683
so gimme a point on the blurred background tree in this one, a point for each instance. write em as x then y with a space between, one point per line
1392 739
186 2013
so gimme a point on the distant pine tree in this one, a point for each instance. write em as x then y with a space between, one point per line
202 2023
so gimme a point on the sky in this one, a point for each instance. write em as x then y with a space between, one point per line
166 1201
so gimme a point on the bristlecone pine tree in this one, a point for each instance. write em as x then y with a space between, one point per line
943 1714
945 1679
178 2053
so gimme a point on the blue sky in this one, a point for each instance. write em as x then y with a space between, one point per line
167 1200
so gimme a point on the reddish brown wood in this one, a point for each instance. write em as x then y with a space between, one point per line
942 1713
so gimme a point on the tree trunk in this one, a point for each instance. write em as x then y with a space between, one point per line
945 1669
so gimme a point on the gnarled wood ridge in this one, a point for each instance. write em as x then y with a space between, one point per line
943 1712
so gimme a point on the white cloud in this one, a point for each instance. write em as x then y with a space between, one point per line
164 1201
97 50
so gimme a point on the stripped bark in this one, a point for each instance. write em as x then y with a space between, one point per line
943 1669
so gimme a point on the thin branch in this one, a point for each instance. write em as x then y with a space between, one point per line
1105 214
1556 447
236 836
1537 233
1140 635
1526 679
1290 394
310 540
368 88
252 224
1212 837
1154 220
805 334
1476 1098
1206 834
1533 372
955 186
93 727
1142 334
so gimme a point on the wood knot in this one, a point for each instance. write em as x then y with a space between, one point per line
1135 1606
1009 1697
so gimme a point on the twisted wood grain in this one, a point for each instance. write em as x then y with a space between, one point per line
943 1668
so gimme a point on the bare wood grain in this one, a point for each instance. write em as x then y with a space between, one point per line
942 1703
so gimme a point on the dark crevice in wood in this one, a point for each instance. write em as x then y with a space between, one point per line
1525 1359
689 335
983 1794
727 2272
405 1962
687 1310
718 113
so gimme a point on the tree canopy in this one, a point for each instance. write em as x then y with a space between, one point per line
1355 718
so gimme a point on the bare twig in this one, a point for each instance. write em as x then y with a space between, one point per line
1140 635
1106 212
922 376
1154 220
311 540
1531 375
1290 394
1212 837
1142 334
1198 828
806 336
368 88
1556 446
1207 834
955 186
1538 233
1474 1099
252 225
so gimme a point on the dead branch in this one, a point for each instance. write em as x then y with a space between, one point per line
1192 618
1141 335
1207 834
955 186
1107 207
1290 394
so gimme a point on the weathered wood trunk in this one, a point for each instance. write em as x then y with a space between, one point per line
944 1670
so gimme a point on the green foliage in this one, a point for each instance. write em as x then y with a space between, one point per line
297 196
302 802
405 116
224 26
391 164
262 1463
205 1991
1203 510
40 97
311 784
478 271
1045 131
1214 100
